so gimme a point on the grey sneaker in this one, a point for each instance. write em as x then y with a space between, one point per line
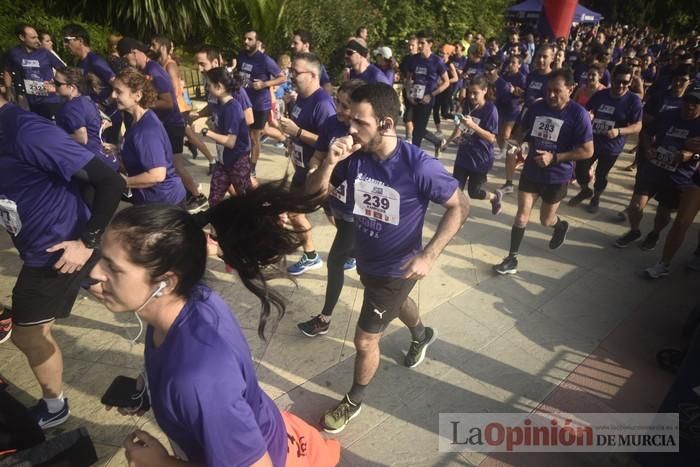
336 419
507 189
657 271
416 353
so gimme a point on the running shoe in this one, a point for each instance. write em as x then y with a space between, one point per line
509 265
416 352
336 419
650 241
350 264
594 206
580 197
622 216
316 326
507 189
559 235
657 271
627 238
196 204
496 206
5 326
694 262
192 148
305 264
46 419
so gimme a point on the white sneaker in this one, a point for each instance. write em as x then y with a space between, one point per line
657 271
694 263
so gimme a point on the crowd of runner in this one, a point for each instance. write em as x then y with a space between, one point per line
75 141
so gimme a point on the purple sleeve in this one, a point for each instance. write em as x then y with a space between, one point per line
62 156
592 102
243 99
102 70
56 62
323 111
324 139
231 121
491 123
636 111
433 180
151 153
70 117
441 68
271 67
161 84
583 132
525 120
324 76
606 78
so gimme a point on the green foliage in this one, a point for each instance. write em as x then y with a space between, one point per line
41 20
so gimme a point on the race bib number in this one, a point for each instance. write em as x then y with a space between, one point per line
665 159
469 131
35 88
418 91
340 192
296 111
536 85
297 155
601 127
245 79
9 217
377 202
547 128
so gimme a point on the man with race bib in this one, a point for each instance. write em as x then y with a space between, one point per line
391 183
558 132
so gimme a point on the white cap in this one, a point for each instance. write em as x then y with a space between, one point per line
384 52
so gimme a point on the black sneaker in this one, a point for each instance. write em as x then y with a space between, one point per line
650 241
594 206
316 326
559 235
582 195
627 238
509 265
416 352
196 204
46 419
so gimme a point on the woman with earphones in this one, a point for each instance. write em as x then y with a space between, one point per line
198 368
230 133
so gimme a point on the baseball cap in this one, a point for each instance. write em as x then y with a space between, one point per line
127 44
383 51
692 95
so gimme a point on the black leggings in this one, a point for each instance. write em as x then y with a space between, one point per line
473 180
441 108
341 249
421 115
583 168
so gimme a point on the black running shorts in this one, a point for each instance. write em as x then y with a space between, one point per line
260 118
551 193
382 301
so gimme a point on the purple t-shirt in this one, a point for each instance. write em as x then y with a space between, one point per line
40 203
662 102
670 136
324 79
508 103
475 154
472 69
204 391
82 112
309 113
161 81
390 199
32 70
338 198
555 131
257 67
373 74
426 73
536 87
229 120
146 146
612 112
459 63
96 65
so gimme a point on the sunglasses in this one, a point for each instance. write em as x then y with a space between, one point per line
58 84
350 53
67 39
623 82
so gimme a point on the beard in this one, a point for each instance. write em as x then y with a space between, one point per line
372 145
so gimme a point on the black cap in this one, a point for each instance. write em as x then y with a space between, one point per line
127 44
692 95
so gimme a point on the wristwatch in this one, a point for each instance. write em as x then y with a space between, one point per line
204 131
92 239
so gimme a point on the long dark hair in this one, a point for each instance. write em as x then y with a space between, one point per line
252 236
221 76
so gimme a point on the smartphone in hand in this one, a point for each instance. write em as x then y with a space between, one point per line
124 393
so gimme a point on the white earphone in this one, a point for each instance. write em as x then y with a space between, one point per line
159 290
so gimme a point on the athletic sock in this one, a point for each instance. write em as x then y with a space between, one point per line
418 332
516 238
55 405
310 254
357 393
